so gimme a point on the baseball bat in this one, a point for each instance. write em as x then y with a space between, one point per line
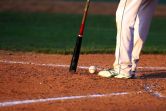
76 53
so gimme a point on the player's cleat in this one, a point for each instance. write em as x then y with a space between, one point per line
107 73
123 76
127 76
133 75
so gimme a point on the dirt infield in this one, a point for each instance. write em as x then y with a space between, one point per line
68 7
37 77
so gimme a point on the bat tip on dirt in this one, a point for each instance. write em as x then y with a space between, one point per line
72 71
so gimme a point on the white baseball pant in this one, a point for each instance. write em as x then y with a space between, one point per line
133 18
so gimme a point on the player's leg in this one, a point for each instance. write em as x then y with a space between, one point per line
125 18
141 28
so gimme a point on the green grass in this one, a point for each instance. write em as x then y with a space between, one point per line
156 42
56 33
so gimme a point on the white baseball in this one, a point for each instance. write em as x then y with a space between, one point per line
92 69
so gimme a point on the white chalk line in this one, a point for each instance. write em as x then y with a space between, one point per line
148 89
67 66
13 103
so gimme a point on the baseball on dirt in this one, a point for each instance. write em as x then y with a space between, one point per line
92 69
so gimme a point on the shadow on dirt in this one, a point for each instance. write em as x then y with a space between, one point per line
153 74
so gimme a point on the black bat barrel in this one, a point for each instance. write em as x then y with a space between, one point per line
74 61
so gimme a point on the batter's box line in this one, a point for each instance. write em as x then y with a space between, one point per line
21 102
67 66
149 89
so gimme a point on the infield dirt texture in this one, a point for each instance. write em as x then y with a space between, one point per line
44 80
28 76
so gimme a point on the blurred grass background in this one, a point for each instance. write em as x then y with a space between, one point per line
47 32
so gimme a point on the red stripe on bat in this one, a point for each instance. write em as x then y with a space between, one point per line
81 30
